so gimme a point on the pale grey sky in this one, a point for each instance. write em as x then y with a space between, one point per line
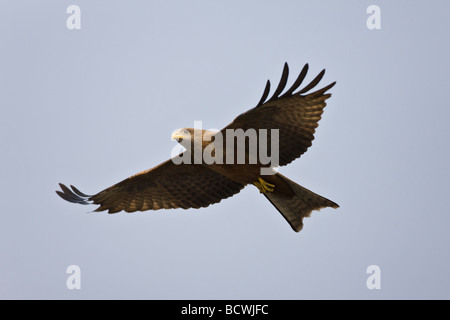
93 106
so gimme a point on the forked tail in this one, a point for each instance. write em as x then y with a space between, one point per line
295 208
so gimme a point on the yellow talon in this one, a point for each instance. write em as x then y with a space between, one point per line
264 186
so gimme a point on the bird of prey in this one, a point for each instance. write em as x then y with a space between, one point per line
185 181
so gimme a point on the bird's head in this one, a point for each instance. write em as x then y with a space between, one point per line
186 137
183 135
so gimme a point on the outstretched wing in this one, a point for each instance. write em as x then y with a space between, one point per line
294 113
166 186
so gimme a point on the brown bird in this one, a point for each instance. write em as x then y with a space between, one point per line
215 167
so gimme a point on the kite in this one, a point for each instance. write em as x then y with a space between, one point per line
200 176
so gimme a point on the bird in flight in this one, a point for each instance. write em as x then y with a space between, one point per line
192 180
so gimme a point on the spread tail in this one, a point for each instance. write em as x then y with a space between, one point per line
299 205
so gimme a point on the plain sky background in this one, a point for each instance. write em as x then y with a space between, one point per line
91 107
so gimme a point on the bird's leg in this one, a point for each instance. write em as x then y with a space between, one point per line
264 186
